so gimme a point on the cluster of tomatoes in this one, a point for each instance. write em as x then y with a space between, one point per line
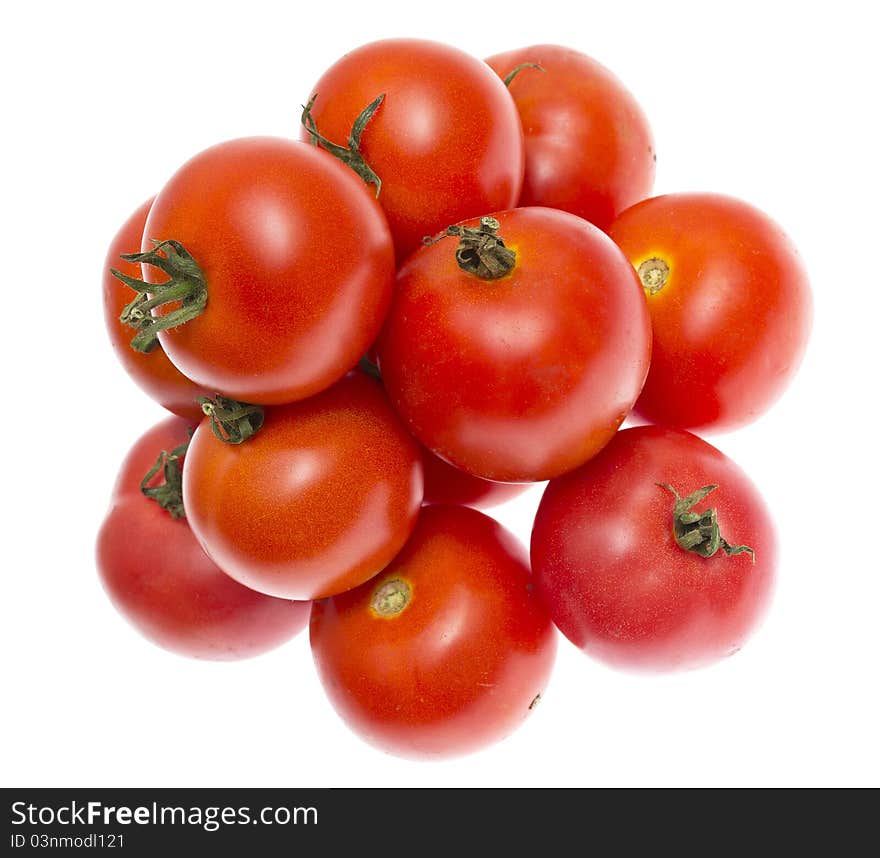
446 290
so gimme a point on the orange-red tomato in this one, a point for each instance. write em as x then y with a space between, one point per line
320 499
297 260
616 580
447 650
162 582
446 141
589 148
446 484
524 377
151 371
730 306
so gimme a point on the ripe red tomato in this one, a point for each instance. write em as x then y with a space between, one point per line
617 582
589 148
445 142
151 371
526 376
298 267
730 305
446 484
317 501
447 650
161 581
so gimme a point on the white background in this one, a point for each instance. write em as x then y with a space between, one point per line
773 102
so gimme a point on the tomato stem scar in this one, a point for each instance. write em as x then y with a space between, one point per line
350 155
391 598
185 285
653 273
699 531
480 250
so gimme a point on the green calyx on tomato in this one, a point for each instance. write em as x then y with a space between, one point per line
480 250
232 421
514 72
699 531
391 598
169 493
186 285
349 155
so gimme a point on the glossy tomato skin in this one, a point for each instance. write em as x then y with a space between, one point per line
615 581
446 484
321 498
446 141
525 377
732 320
589 148
152 372
161 581
298 261
465 660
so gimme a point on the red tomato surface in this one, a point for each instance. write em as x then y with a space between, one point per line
589 148
524 377
616 582
298 261
446 141
446 484
161 581
447 650
732 319
152 372
317 501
